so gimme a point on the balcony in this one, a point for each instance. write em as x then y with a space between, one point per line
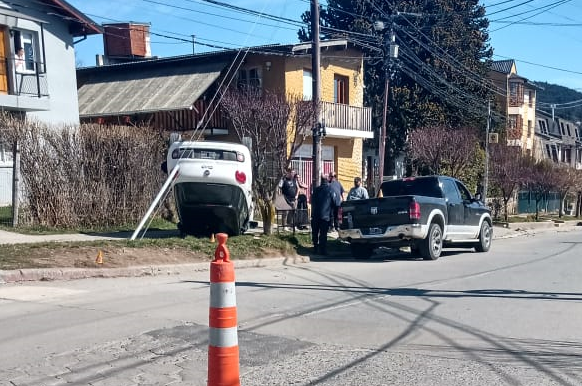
24 87
345 121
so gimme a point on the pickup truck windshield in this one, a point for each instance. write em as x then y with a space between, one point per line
412 187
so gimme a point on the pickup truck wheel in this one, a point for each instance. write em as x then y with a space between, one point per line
361 251
432 246
485 236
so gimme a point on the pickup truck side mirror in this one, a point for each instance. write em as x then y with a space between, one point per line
164 167
478 197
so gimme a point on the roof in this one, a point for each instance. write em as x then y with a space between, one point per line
229 54
503 66
152 89
80 24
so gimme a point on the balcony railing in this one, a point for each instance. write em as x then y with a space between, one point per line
346 117
28 77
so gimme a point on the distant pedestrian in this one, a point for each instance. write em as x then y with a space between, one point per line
323 201
339 190
358 192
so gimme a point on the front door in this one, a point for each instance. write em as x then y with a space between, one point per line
4 57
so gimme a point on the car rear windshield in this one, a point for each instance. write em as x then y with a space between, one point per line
412 187
198 193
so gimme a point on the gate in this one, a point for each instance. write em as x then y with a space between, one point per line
304 169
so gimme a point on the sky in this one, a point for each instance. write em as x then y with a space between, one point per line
543 36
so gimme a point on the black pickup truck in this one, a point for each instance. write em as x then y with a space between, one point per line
424 213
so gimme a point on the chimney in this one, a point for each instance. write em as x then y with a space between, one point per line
124 42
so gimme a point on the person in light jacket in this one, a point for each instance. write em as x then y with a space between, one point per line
358 192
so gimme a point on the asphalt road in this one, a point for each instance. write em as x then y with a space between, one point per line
508 317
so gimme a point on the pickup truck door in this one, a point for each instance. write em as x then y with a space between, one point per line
471 210
455 209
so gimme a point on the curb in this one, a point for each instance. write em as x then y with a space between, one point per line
50 274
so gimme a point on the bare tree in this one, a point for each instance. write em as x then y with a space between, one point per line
443 148
506 171
566 180
276 124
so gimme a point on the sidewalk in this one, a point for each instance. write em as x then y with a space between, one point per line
499 232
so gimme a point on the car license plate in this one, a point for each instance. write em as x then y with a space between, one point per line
375 231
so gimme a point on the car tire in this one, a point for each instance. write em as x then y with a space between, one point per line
485 237
432 246
361 251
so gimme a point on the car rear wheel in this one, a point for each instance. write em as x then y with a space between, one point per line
361 251
432 246
485 237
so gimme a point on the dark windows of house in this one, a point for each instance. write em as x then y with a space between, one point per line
515 94
562 128
568 128
340 89
531 98
529 128
549 151
555 153
543 127
25 40
250 78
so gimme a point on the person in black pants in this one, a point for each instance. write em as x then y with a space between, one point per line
337 187
323 202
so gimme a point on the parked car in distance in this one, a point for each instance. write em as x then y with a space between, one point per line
424 213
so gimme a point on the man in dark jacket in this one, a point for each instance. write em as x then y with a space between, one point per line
323 202
337 187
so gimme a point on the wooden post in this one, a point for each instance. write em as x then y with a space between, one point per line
15 183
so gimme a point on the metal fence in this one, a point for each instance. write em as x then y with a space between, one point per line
526 203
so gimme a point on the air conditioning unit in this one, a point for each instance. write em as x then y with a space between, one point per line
493 138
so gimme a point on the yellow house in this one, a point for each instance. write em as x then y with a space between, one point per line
347 122
517 102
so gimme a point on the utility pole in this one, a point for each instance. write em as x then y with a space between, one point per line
486 179
390 53
193 44
316 92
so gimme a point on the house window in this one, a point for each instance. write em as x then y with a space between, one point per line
531 98
250 77
549 151
340 89
529 126
25 40
543 127
568 128
562 128
515 94
307 85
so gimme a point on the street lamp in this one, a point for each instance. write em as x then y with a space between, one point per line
390 54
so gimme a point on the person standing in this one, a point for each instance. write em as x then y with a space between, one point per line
358 192
289 186
19 60
337 187
323 202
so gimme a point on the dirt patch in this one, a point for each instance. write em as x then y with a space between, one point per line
112 257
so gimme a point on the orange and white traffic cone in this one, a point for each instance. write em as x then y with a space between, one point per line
99 259
212 240
223 355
